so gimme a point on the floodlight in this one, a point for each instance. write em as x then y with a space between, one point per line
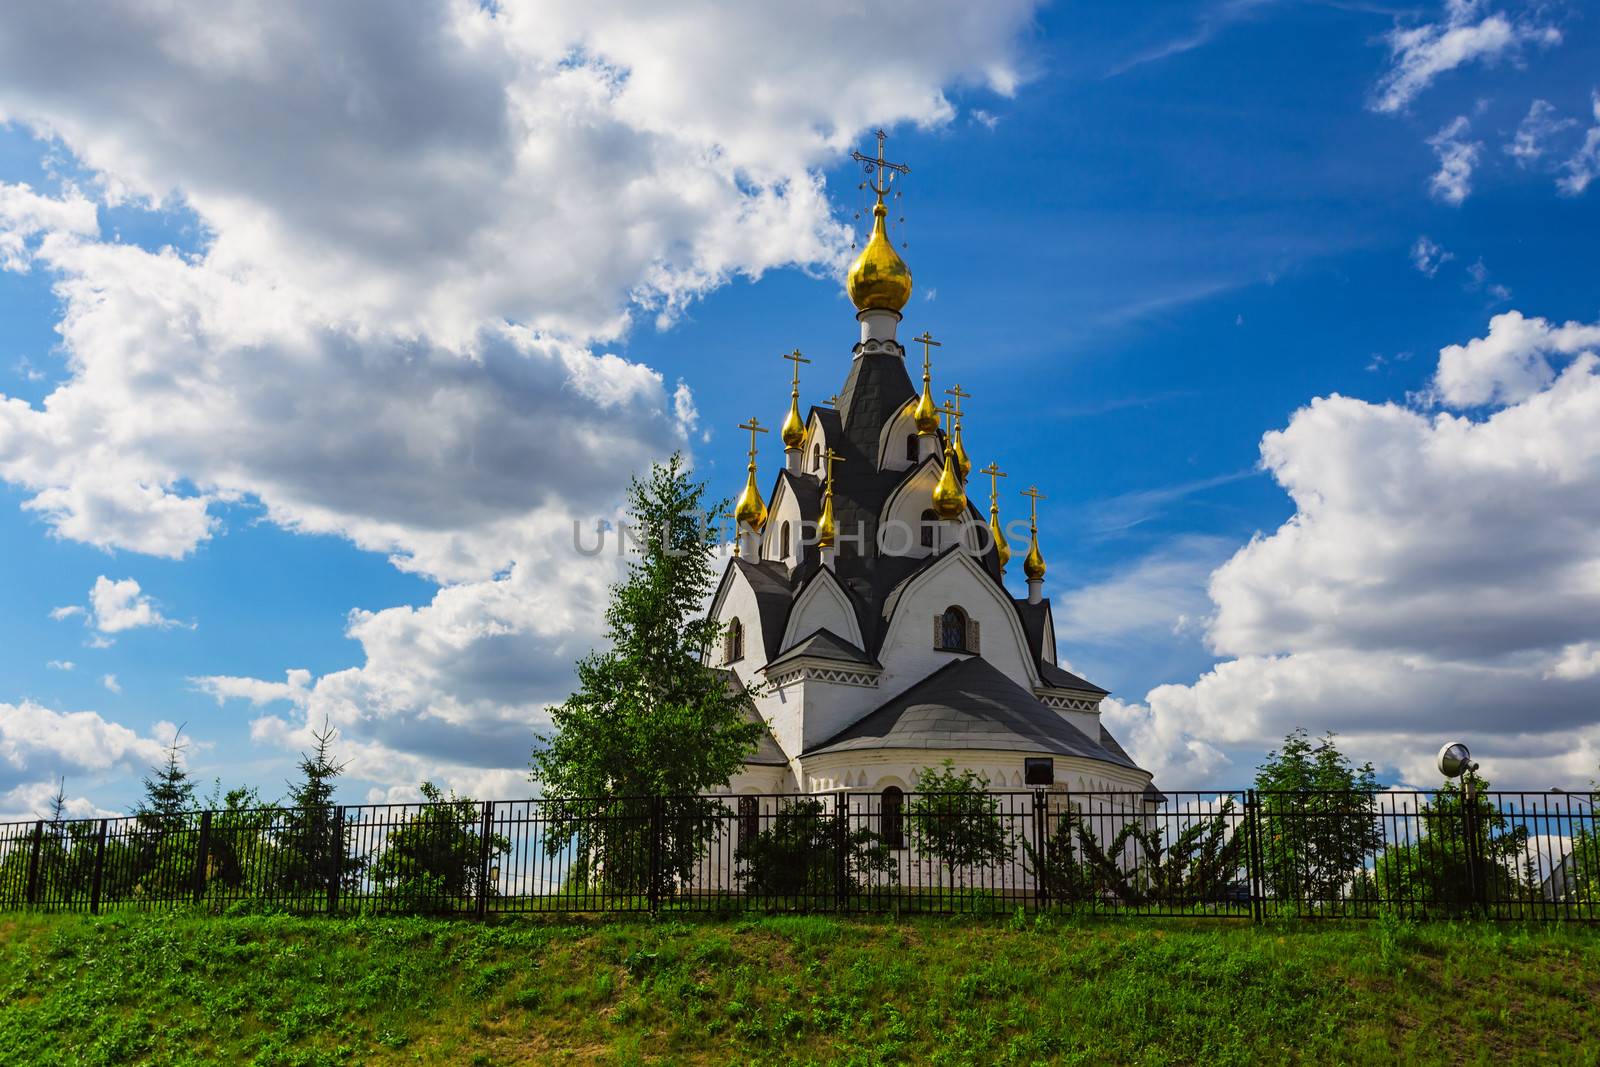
1455 760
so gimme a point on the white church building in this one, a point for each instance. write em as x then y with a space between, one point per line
867 608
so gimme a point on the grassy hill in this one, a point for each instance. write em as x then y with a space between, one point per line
180 989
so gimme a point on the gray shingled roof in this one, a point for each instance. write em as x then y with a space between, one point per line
1057 678
825 644
767 752
969 704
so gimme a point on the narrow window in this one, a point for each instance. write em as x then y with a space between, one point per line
749 820
1039 771
892 823
953 629
929 528
911 448
816 456
783 541
734 643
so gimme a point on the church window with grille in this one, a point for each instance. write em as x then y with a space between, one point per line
783 541
911 448
891 813
955 631
930 528
733 642
816 456
749 820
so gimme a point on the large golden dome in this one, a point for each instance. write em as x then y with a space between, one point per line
879 278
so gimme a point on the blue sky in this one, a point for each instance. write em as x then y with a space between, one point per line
1147 235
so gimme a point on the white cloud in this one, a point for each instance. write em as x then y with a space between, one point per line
1428 257
25 214
66 611
111 684
1440 576
1453 180
33 800
1160 593
1468 34
1534 133
421 236
37 743
1584 166
116 606
222 688
61 665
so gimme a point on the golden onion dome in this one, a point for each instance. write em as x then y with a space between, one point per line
750 510
825 525
1033 565
925 413
1001 548
949 500
961 454
794 429
879 278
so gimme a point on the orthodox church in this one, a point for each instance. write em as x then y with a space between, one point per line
866 607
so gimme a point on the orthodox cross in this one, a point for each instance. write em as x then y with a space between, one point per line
833 457
952 414
832 401
927 341
755 427
796 358
882 170
1034 496
993 471
960 395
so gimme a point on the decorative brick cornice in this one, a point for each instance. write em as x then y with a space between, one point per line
816 671
1066 701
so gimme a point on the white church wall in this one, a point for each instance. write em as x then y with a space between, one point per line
892 450
785 510
739 602
874 770
829 706
822 605
900 520
908 654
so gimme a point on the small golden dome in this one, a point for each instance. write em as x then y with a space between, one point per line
949 500
751 510
794 430
961 453
1002 549
879 278
926 415
1033 566
825 526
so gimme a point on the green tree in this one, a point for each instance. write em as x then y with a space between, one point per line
159 862
954 819
798 856
1464 854
308 843
433 862
242 854
1319 820
651 727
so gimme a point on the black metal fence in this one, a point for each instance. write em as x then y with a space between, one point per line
1241 855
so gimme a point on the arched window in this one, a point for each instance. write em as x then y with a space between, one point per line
930 528
783 541
816 456
953 629
891 809
911 448
733 642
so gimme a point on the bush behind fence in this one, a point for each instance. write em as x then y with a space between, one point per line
1242 855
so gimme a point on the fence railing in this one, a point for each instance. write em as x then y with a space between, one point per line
1241 855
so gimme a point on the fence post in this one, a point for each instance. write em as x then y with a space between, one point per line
1253 855
33 863
200 860
841 861
483 857
1041 893
654 888
336 860
99 870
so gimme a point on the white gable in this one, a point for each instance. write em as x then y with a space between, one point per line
822 605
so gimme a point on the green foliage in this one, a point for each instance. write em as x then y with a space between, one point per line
954 819
1319 820
434 861
1466 853
1139 867
798 855
382 991
308 847
650 719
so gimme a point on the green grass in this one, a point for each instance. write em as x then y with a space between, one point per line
181 989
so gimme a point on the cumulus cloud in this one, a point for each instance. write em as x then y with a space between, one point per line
61 665
1468 33
115 606
1440 576
1584 165
38 744
1457 157
421 236
111 684
1428 257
